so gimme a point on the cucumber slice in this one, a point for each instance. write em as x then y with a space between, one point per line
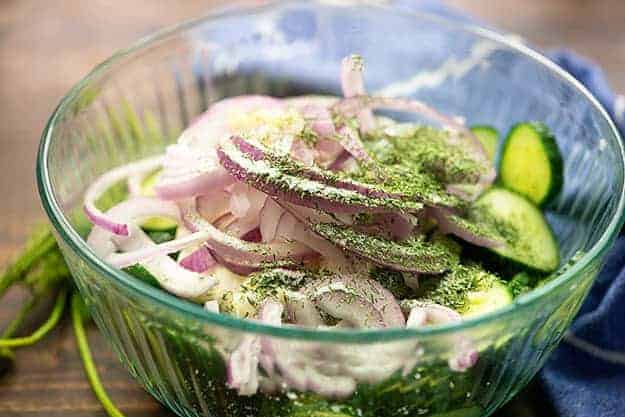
159 224
530 163
148 183
489 137
142 274
528 236
483 301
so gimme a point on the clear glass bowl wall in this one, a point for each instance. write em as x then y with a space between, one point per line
136 103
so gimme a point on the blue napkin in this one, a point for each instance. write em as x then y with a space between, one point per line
585 377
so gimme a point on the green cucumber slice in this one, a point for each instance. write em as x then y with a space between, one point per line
148 183
530 163
159 224
489 137
483 301
528 236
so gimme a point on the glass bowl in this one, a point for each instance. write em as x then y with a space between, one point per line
138 101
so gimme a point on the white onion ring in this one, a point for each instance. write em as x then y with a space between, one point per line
106 181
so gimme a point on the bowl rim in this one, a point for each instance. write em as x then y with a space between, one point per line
73 240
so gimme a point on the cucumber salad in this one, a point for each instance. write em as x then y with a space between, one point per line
325 212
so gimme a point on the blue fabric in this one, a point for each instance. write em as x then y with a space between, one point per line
585 377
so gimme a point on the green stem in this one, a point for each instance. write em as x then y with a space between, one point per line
19 318
14 325
40 243
87 360
41 332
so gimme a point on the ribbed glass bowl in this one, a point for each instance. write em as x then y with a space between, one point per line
138 101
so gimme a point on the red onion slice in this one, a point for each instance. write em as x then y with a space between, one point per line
269 218
422 314
352 84
242 369
304 186
139 248
302 311
360 301
106 181
299 363
237 251
198 261
349 139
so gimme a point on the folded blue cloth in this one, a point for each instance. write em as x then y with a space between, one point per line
585 377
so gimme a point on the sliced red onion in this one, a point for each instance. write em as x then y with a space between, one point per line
360 301
106 181
307 186
252 236
121 260
190 170
400 226
302 311
351 106
295 189
245 204
214 206
236 251
422 314
198 261
270 312
234 267
341 160
300 231
269 218
242 369
352 84
373 363
315 110
450 223
135 184
300 363
431 313
302 152
466 357
349 139
140 249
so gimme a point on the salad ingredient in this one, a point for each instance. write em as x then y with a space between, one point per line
489 137
414 254
467 289
531 164
103 183
528 237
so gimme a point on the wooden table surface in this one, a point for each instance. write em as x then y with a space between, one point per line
47 46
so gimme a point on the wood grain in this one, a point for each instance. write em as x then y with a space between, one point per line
47 46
